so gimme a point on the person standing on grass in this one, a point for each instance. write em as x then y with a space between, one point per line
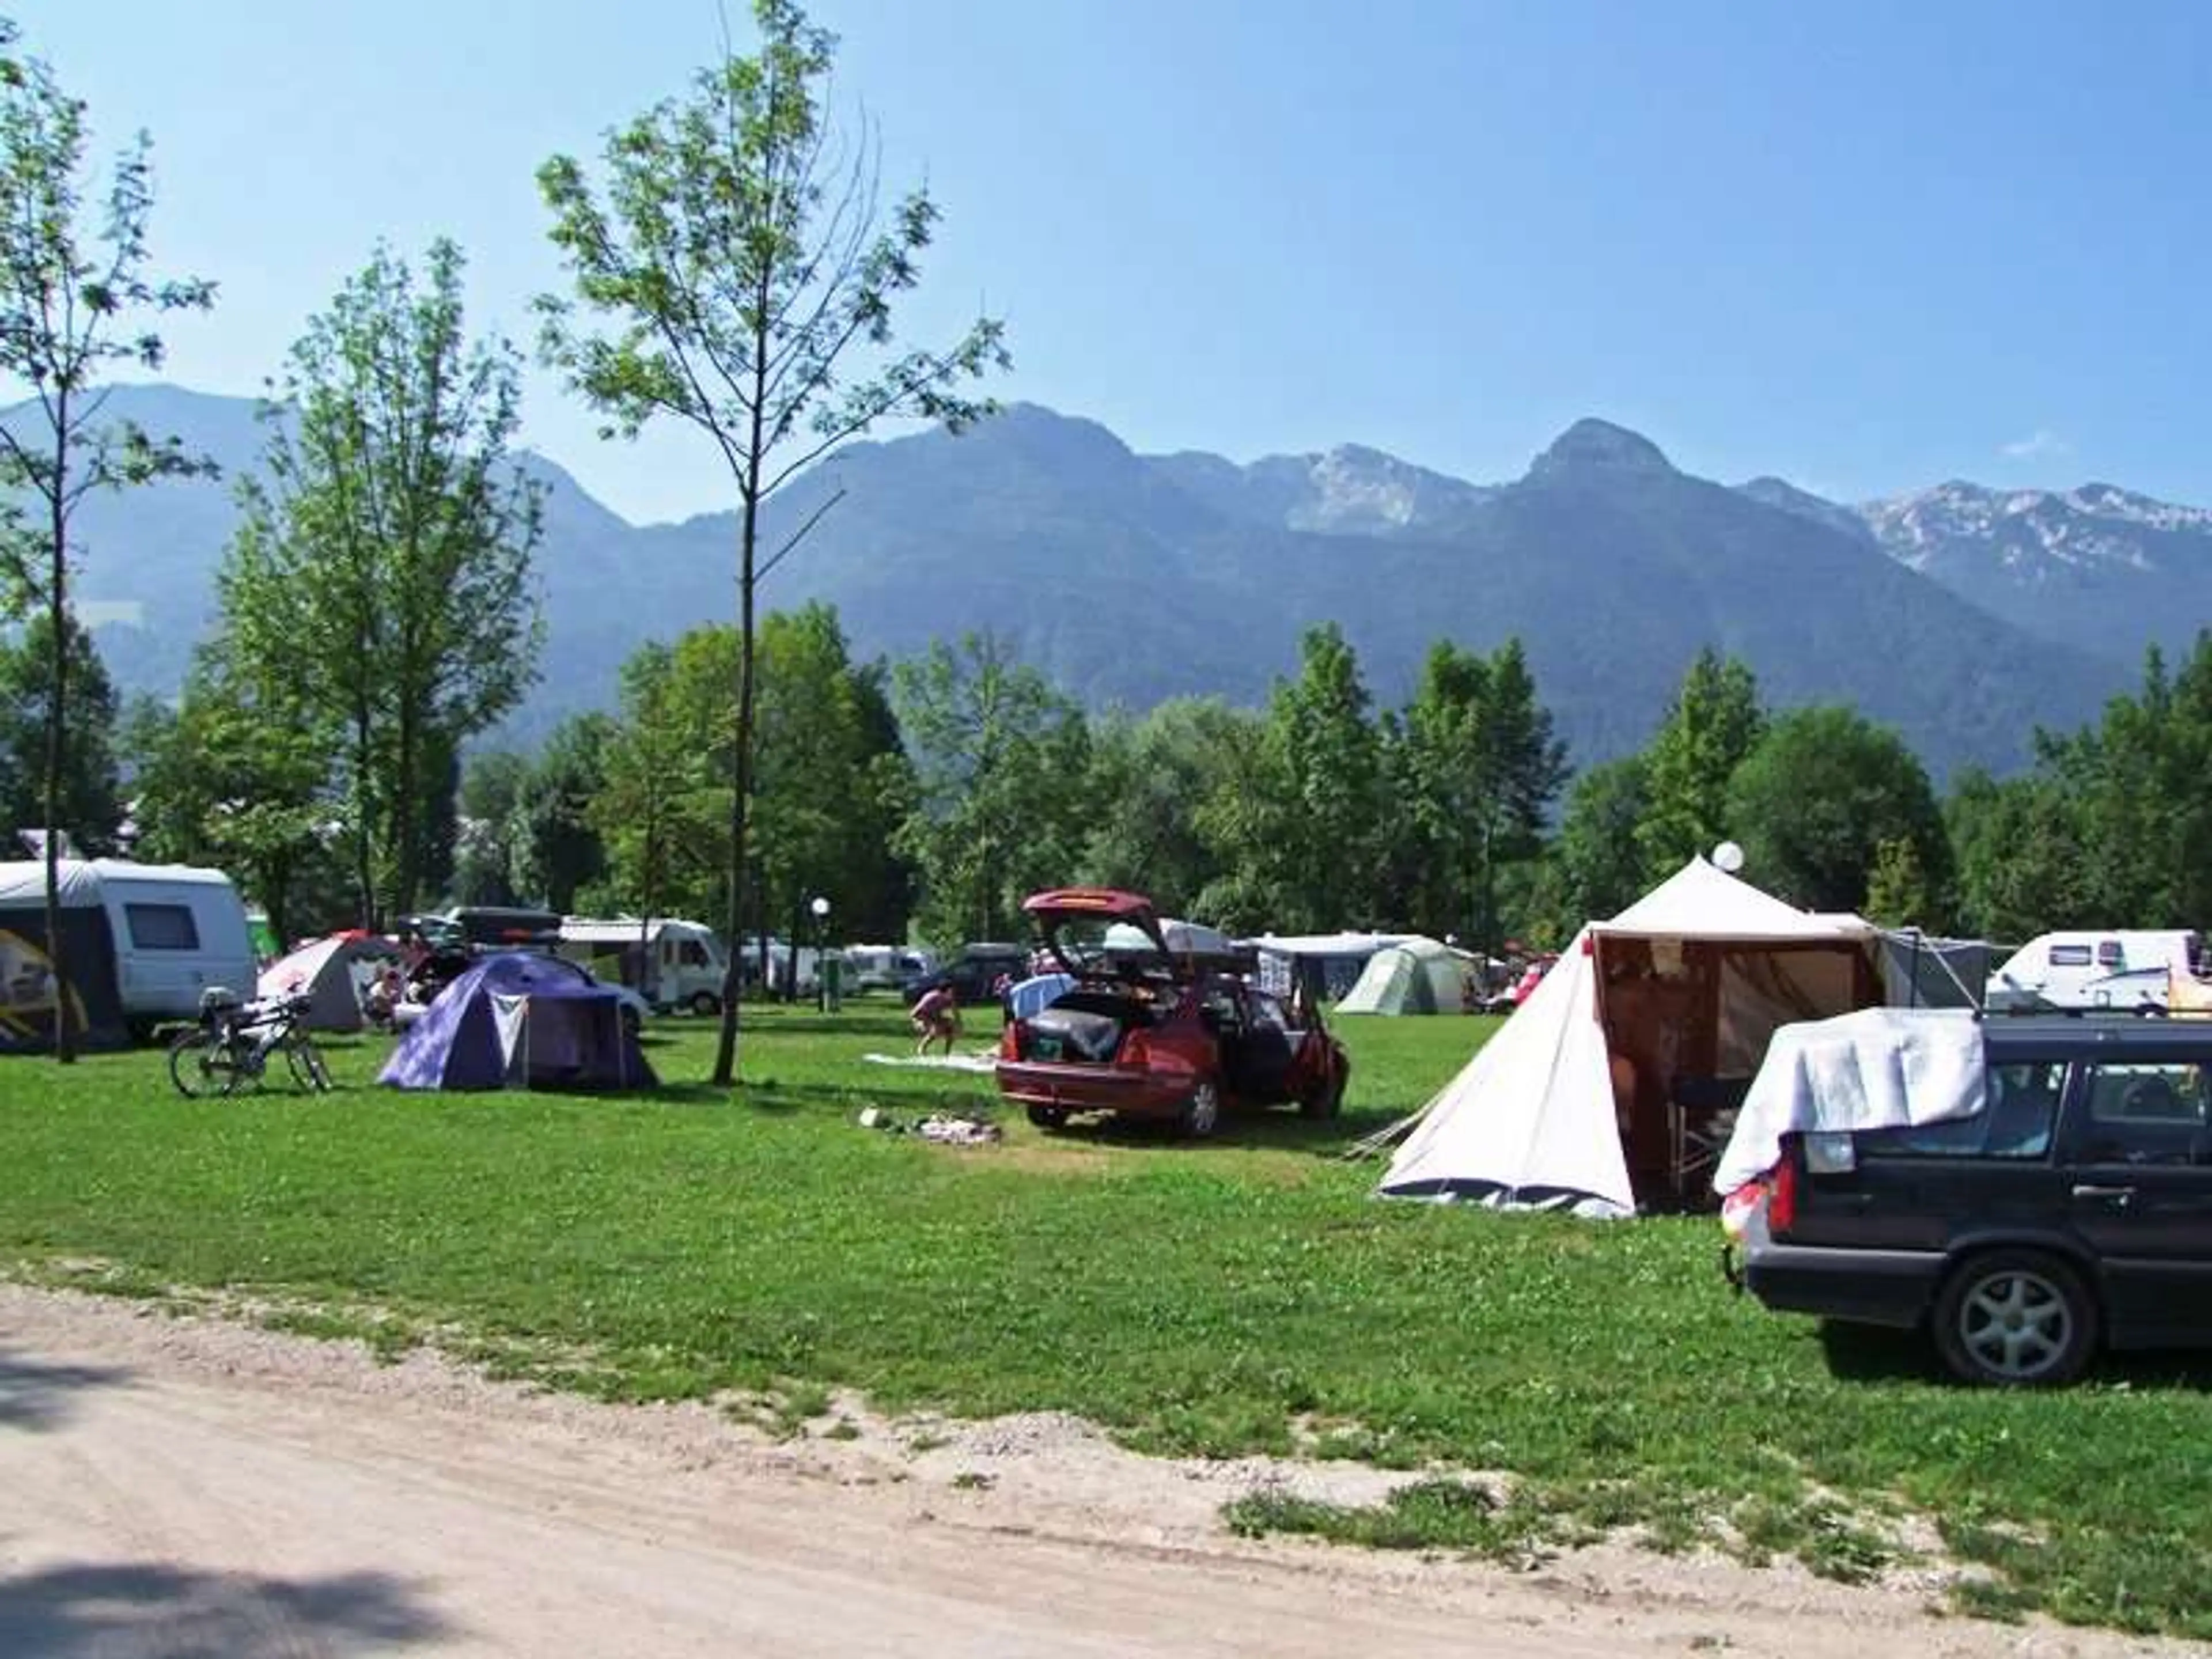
936 1013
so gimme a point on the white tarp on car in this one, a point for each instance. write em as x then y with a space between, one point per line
1879 1069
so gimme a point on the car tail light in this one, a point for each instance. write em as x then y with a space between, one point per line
1135 1051
1010 1041
1782 1197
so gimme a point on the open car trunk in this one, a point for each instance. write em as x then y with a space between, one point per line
1087 1026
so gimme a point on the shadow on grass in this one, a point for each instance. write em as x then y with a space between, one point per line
1876 1354
34 1394
778 1098
141 1608
1251 1130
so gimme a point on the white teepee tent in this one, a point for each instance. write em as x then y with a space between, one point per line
1575 1103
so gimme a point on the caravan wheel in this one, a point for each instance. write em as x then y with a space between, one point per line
706 1004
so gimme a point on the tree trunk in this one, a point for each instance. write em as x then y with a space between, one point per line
58 604
407 825
364 815
725 1048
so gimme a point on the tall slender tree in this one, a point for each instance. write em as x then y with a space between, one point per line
76 298
1483 770
383 572
1713 722
744 259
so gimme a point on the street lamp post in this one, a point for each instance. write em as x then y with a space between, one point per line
820 906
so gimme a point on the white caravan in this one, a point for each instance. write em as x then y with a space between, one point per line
178 930
683 966
2112 968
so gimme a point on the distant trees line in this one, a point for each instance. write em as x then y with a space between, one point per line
939 791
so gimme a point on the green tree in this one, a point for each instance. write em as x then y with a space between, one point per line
824 823
2145 791
2023 855
557 840
1899 892
1480 771
484 856
1601 866
996 810
1816 801
85 801
1301 825
1713 723
383 572
749 272
76 298
238 777
1150 779
655 767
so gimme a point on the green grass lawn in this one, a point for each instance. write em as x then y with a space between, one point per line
1244 1294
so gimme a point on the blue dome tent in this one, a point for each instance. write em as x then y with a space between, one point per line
521 1021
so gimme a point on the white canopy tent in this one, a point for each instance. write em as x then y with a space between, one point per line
1597 1088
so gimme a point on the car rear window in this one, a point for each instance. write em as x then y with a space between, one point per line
2016 1123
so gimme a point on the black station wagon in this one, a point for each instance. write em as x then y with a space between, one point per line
2074 1212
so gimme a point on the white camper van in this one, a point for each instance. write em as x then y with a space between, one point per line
2084 968
177 929
682 963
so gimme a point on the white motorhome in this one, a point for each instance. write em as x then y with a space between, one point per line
2110 968
178 930
680 964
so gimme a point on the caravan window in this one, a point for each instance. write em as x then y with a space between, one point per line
692 954
161 927
2109 954
2070 956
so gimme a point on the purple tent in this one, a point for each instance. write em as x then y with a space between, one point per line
521 1021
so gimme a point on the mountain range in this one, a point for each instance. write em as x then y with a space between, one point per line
1963 617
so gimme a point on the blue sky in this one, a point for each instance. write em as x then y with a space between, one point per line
1866 245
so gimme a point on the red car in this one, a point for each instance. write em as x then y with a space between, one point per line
1150 1031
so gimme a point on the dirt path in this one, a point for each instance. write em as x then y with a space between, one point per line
187 1486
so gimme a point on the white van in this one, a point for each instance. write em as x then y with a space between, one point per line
885 967
2116 968
683 962
177 929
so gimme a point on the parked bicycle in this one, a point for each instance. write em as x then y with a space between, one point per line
236 1042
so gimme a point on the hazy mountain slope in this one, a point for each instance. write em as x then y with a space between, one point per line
1133 578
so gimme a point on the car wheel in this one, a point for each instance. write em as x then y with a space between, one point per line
706 1004
1049 1117
1201 1113
2018 1319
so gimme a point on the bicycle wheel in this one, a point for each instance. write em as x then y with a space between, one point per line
203 1063
305 1060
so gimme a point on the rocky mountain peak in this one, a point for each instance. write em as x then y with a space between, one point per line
1592 446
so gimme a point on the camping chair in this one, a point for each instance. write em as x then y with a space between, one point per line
1701 1114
